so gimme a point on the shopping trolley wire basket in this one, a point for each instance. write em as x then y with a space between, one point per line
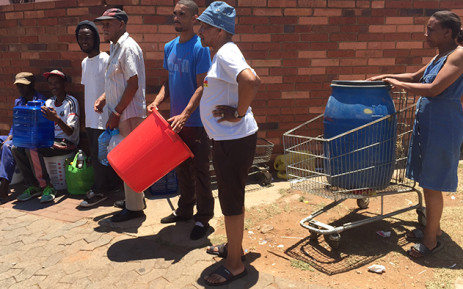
259 168
367 161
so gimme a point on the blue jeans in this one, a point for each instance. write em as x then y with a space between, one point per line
7 163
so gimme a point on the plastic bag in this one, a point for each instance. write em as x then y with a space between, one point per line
78 180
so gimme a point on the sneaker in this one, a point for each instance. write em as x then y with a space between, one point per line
48 194
199 231
29 193
92 199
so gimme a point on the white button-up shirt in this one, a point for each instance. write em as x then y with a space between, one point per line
126 60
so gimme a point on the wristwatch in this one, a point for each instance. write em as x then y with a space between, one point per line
237 114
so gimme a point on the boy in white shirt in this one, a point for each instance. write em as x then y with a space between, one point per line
93 78
63 110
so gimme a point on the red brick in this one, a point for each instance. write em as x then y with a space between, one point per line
266 63
268 12
253 3
295 94
158 2
282 3
313 20
253 20
268 28
382 28
255 38
157 19
341 3
327 12
298 12
77 11
14 15
167 10
377 4
55 13
314 37
399 20
325 62
283 20
409 45
410 28
370 53
311 70
272 79
312 54
340 53
143 10
284 37
427 4
313 3
296 62
91 2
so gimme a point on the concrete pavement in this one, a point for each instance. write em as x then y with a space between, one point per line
62 246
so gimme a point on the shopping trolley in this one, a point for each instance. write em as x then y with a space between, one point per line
314 169
259 168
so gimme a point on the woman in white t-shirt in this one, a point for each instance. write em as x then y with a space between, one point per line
229 88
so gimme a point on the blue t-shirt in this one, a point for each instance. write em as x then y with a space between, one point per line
185 61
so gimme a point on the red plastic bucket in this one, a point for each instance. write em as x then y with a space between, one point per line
148 153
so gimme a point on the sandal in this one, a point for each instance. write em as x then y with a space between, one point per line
221 251
416 235
422 251
227 275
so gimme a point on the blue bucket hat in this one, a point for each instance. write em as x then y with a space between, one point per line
221 15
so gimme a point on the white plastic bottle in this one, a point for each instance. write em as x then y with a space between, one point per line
80 159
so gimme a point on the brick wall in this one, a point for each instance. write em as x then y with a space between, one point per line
297 47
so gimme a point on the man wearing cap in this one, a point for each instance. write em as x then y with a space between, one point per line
93 78
24 82
229 88
186 63
63 110
124 94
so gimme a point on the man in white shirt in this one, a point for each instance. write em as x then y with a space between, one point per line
93 78
124 94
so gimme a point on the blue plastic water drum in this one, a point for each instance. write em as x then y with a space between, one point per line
30 128
363 158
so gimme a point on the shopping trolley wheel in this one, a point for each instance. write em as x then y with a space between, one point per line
314 236
265 178
333 240
421 216
363 203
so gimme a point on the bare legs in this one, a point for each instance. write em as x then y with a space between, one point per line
234 226
434 207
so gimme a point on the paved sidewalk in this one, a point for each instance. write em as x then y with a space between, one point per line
60 246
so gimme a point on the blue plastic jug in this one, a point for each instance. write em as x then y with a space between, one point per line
30 128
364 158
103 143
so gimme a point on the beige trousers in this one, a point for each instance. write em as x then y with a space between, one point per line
133 200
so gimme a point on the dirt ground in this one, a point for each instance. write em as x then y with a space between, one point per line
275 243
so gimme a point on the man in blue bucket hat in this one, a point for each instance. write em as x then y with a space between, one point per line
229 88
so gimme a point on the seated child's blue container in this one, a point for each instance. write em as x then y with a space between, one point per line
30 128
167 185
364 158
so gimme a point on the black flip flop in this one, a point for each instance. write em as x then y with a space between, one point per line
227 275
423 250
